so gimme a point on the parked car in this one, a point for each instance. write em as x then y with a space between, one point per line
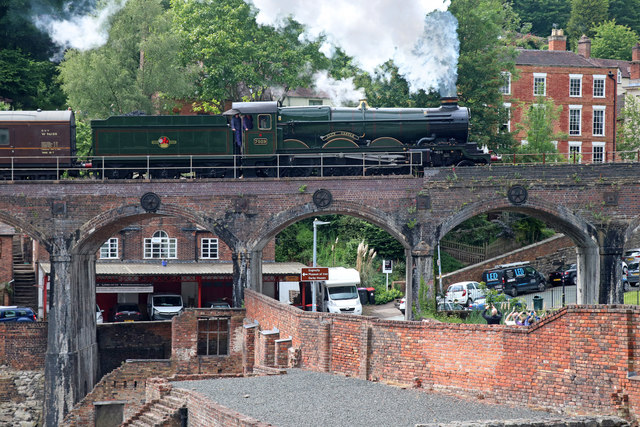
217 304
565 276
632 273
126 312
514 278
16 314
449 306
99 315
631 255
164 306
464 293
478 304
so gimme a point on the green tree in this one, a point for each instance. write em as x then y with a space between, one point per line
485 30
388 88
136 70
585 15
613 41
629 128
626 12
28 83
543 14
539 120
241 59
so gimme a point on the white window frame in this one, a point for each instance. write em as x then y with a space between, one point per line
507 105
599 108
505 89
109 249
555 144
577 108
619 79
572 78
575 147
160 246
524 142
543 77
209 248
603 79
598 157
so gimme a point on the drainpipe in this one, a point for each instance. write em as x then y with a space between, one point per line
615 97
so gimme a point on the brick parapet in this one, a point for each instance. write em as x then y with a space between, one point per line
578 360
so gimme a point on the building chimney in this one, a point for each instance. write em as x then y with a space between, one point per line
635 63
557 40
584 46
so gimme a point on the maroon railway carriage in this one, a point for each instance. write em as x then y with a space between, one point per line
36 144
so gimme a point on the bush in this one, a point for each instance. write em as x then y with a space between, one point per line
384 296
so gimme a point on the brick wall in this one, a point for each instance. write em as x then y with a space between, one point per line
132 340
579 360
185 343
6 259
23 345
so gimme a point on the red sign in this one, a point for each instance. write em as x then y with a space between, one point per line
310 274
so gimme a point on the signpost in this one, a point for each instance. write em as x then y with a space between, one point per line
387 267
312 274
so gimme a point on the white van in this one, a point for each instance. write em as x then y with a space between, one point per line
164 306
339 294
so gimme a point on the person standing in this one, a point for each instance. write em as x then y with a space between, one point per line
236 127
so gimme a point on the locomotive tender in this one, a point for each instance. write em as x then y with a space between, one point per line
281 141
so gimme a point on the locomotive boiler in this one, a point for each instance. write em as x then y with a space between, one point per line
287 141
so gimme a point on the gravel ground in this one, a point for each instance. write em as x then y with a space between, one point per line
304 398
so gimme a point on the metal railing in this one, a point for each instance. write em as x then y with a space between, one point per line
203 166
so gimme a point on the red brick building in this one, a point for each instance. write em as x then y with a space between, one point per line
585 88
168 255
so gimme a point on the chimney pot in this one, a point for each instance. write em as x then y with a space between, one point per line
584 46
634 69
557 40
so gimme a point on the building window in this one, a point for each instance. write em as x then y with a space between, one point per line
619 76
575 85
109 249
208 248
598 152
598 121
506 127
539 84
575 119
213 336
575 149
160 246
505 89
598 86
313 102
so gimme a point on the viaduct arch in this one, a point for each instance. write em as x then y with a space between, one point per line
597 205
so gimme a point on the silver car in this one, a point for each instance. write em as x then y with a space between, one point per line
464 293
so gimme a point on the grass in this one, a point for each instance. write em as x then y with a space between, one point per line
632 297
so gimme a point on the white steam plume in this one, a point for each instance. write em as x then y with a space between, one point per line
79 31
374 31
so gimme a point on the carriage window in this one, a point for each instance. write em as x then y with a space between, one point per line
4 136
264 122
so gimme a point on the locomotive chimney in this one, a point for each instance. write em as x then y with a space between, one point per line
450 102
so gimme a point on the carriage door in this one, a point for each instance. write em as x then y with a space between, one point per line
260 137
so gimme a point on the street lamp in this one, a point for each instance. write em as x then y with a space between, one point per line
316 223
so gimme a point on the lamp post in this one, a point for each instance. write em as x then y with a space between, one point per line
316 223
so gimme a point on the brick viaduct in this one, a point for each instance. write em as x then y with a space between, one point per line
595 205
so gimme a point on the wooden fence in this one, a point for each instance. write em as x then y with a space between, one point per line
473 254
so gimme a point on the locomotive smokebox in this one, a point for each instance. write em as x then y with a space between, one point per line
449 102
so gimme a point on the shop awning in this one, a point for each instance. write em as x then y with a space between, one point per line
180 269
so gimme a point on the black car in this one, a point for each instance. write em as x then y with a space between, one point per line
126 312
563 276
514 278
17 314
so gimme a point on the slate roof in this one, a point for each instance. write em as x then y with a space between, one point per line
6 230
624 66
554 58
